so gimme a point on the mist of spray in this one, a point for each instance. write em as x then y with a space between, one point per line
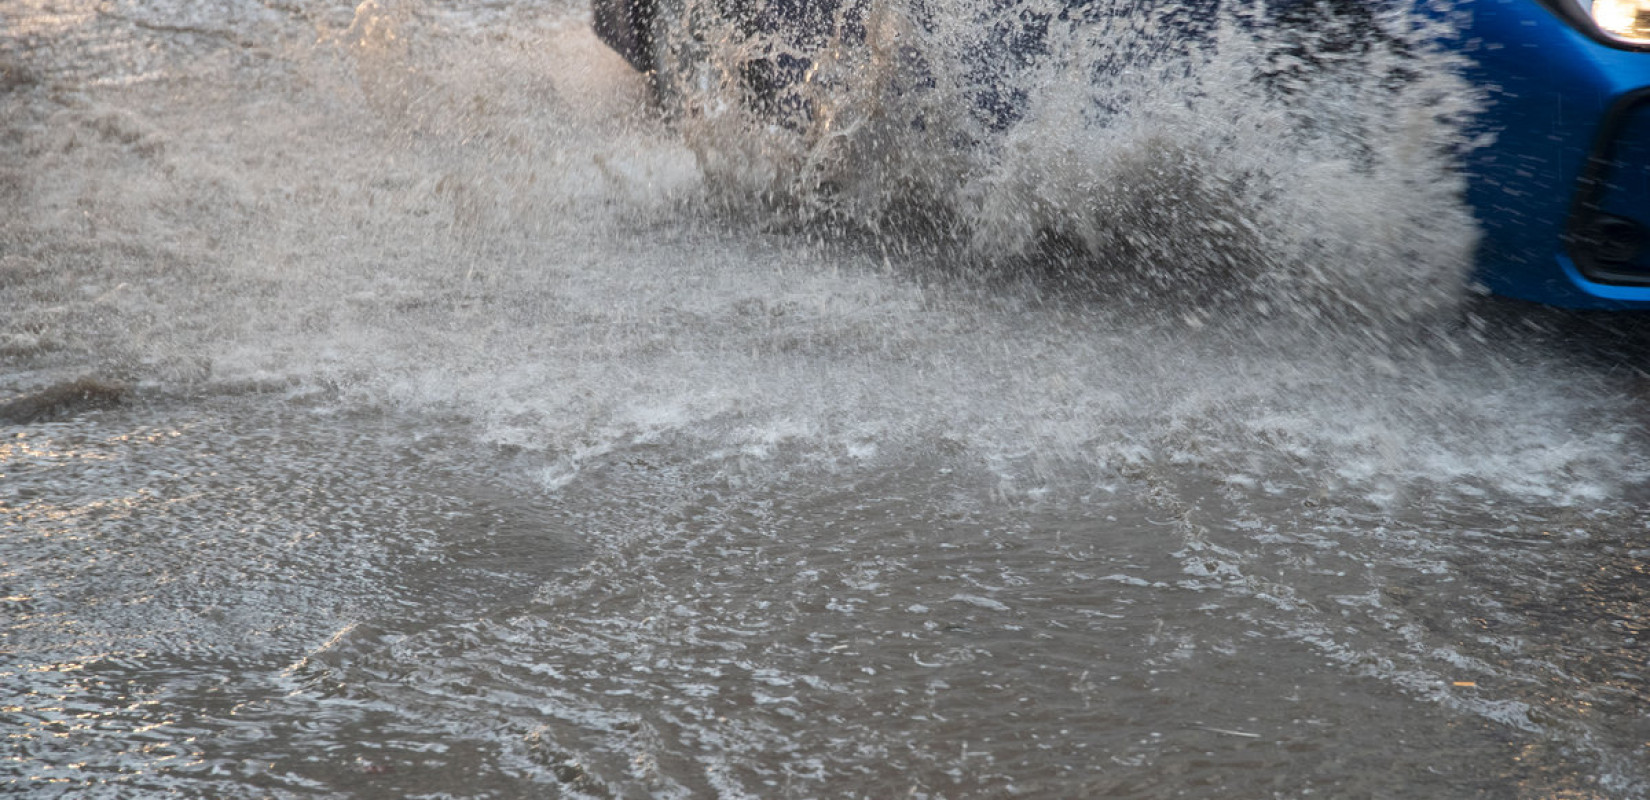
1227 156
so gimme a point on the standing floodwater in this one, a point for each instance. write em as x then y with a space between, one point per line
393 405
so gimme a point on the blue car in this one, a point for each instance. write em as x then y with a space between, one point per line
1561 193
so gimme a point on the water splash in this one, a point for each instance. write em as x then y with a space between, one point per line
1274 166
425 208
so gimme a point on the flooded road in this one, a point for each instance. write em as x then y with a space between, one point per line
393 404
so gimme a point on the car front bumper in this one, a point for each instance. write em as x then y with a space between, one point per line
1563 194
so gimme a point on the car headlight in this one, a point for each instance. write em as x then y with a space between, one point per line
1623 20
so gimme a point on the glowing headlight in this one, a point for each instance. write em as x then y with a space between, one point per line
1626 20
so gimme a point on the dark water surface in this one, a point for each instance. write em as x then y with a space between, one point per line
394 406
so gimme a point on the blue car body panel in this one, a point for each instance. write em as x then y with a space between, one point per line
1572 143
1562 193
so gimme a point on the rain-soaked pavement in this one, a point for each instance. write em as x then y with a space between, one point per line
393 403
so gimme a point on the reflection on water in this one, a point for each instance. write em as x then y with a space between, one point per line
162 578
297 602
449 445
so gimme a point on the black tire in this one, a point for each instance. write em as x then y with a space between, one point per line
684 69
